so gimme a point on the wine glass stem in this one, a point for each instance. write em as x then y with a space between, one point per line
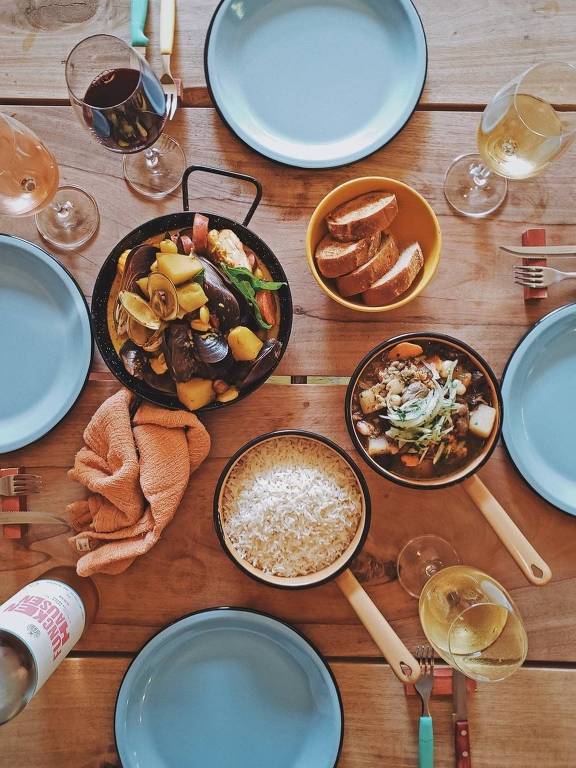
152 157
479 174
63 210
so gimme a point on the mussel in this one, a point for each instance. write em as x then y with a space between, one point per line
163 382
213 351
134 359
222 300
178 350
138 263
261 367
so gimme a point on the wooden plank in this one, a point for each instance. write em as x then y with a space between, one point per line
36 38
473 295
525 722
187 569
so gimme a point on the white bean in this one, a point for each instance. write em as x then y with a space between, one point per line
395 387
460 388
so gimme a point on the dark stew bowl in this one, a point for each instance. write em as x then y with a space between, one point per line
155 229
471 428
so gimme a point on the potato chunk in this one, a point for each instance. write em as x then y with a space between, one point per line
481 420
195 393
191 297
244 344
178 267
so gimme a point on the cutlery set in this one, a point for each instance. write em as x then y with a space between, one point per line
424 688
538 276
139 42
13 488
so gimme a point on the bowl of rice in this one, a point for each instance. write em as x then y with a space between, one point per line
291 509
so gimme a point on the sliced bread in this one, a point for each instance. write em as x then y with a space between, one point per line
335 258
363 216
362 277
397 280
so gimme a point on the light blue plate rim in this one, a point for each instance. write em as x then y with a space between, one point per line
67 279
227 613
387 136
513 450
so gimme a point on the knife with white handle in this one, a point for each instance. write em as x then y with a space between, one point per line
30 518
538 251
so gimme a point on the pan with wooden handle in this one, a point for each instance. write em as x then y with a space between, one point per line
529 561
402 662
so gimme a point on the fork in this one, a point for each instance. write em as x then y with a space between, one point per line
423 686
20 485
540 277
167 22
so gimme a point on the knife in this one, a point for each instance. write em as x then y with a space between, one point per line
538 251
138 13
460 716
36 518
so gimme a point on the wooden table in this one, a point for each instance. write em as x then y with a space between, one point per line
526 722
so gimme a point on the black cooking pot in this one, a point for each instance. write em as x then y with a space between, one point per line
157 227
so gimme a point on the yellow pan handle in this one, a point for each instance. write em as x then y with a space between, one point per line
167 21
403 664
531 564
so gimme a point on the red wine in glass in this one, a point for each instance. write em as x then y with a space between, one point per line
125 109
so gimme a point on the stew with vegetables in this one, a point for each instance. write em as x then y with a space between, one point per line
423 410
195 314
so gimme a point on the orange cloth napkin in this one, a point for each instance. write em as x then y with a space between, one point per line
139 471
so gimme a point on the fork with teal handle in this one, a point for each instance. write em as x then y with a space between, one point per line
424 684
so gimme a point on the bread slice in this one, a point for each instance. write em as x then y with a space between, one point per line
397 280
363 216
362 277
335 258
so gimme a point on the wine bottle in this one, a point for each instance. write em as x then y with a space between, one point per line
39 626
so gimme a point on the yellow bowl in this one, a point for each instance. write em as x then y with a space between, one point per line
415 221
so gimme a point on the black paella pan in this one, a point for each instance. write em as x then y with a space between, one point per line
177 221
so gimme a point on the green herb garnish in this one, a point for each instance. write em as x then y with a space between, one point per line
248 284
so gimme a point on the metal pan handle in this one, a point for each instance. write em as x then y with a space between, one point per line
403 664
222 172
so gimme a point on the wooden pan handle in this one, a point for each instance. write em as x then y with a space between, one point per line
403 664
530 562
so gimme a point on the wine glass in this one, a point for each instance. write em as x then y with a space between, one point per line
66 216
467 616
117 96
520 133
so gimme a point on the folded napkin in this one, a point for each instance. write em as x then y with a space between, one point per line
138 468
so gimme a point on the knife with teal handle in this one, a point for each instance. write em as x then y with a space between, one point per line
425 743
138 14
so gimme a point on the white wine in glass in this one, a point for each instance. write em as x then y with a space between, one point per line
472 623
66 216
467 616
522 130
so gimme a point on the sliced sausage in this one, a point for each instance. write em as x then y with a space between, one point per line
200 233
267 306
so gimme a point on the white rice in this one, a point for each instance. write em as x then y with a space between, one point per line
291 506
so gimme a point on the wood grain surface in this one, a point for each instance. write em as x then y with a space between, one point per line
187 569
473 295
76 707
473 48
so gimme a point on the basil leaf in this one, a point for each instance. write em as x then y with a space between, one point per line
237 276
244 274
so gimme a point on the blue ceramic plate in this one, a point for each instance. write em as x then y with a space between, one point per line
315 83
45 342
228 688
539 415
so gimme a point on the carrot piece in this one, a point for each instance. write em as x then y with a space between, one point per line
410 459
267 306
404 350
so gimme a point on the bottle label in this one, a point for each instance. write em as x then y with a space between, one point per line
49 617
